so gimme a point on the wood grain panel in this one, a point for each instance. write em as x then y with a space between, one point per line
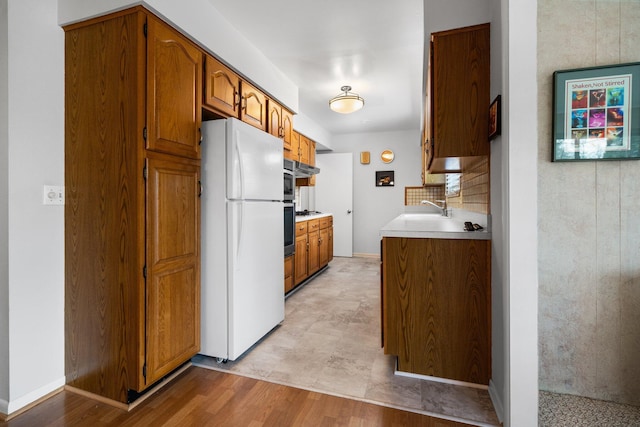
104 225
460 84
254 106
222 88
174 91
436 295
173 266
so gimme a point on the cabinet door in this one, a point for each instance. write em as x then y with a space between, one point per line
301 258
293 152
304 149
324 247
288 274
222 88
253 108
275 119
437 306
173 263
287 129
312 153
460 83
330 244
174 91
314 251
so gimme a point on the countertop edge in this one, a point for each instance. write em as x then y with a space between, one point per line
459 235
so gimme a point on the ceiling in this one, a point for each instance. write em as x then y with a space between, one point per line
374 46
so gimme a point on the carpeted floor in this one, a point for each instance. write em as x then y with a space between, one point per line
563 410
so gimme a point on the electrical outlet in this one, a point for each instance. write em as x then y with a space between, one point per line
53 195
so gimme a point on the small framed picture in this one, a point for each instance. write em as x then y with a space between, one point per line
495 118
384 178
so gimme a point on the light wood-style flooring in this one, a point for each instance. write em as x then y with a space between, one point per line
201 397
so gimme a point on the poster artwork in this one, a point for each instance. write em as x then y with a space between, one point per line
596 113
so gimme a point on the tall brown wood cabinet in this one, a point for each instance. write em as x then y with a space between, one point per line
132 216
458 86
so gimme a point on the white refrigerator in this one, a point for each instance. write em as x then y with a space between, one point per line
243 237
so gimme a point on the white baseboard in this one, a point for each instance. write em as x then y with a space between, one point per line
13 407
497 402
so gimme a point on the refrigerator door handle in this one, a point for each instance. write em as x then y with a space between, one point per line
238 228
241 174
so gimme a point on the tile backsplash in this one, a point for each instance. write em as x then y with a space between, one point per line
414 195
474 190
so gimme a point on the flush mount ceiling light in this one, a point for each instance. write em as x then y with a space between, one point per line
346 102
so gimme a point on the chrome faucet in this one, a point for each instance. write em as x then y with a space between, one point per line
442 207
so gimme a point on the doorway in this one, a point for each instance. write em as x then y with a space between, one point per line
334 194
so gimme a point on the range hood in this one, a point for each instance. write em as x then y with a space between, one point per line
302 170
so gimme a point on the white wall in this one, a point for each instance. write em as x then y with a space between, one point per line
35 130
205 25
303 124
374 206
519 219
498 184
4 221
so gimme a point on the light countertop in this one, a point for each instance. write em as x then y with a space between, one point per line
432 226
312 216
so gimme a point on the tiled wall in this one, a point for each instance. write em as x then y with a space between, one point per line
588 228
474 189
414 195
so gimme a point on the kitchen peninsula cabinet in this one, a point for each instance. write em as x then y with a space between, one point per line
457 99
436 306
132 218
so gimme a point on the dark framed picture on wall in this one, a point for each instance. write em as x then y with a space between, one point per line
596 113
384 178
495 118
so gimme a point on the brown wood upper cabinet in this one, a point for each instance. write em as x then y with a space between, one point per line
221 88
305 143
174 67
293 152
280 123
458 96
253 106
132 230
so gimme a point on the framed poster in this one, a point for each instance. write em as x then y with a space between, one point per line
596 113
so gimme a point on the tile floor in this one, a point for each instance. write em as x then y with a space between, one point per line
330 342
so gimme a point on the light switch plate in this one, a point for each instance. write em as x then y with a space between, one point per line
53 195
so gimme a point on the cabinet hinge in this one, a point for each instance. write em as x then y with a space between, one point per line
144 371
145 173
144 271
144 29
144 133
